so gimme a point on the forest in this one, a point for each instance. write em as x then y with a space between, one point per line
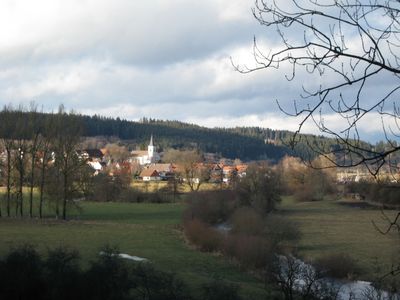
245 143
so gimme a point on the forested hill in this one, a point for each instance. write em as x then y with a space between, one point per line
246 143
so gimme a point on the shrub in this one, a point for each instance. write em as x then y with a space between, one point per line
108 277
63 274
338 266
156 285
21 274
211 207
251 251
260 188
280 230
202 235
246 220
220 290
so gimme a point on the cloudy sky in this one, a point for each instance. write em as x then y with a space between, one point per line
134 58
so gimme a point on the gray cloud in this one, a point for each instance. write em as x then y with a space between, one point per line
163 59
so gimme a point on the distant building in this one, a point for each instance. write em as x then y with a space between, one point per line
146 157
149 175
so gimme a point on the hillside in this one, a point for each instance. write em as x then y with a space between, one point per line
245 143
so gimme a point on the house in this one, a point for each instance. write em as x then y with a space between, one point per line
216 174
229 173
146 157
96 166
95 155
241 170
149 175
165 171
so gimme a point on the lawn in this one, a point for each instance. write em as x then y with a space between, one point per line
147 230
329 227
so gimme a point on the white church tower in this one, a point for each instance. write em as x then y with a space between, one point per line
150 150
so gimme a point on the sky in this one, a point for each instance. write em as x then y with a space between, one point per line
139 58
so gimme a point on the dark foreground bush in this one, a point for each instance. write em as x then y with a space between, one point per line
24 275
338 266
220 290
21 275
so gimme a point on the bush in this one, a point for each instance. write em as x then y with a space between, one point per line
25 275
202 235
211 207
156 285
280 230
260 188
108 277
220 290
338 266
63 274
247 221
21 274
251 251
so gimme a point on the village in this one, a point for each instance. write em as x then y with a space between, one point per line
149 165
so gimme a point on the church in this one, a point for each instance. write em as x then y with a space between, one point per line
146 157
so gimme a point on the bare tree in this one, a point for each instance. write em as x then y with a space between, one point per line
67 135
190 167
20 157
6 134
46 158
348 53
34 133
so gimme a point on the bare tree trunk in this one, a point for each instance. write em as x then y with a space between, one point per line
8 180
31 185
43 176
65 196
20 187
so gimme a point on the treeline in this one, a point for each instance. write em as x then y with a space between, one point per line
178 135
244 143
25 274
40 151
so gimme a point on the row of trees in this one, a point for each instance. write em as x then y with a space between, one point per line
40 153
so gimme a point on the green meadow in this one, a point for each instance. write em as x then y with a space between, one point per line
329 227
151 231
154 231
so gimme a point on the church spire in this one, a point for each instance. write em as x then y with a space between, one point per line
151 141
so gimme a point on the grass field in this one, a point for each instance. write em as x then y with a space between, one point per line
147 230
328 227
153 231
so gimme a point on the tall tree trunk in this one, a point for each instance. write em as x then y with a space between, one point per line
65 196
34 149
20 191
8 181
43 174
31 186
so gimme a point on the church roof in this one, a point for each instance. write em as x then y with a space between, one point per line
151 141
136 153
